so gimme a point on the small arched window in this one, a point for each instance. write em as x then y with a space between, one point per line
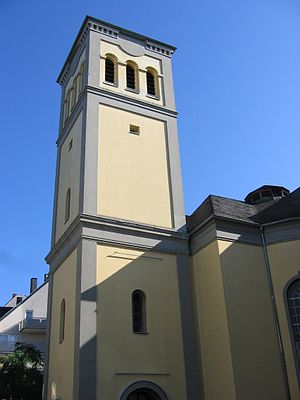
66 110
81 78
131 76
75 85
67 106
62 321
293 303
152 83
68 205
72 98
110 70
138 312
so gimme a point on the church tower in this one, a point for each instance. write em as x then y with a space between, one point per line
119 305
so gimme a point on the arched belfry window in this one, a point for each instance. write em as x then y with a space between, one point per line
68 205
131 76
62 321
138 312
81 78
110 69
293 303
152 82
72 98
66 110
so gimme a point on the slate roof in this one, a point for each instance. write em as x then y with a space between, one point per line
239 211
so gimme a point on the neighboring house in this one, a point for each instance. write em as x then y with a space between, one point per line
146 303
25 319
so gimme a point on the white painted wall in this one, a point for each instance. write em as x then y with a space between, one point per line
37 302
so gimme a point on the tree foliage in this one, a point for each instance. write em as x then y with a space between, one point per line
21 374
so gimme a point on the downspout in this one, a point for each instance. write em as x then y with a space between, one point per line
275 313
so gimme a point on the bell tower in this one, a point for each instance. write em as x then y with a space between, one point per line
119 254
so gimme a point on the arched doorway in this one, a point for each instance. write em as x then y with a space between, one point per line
143 394
143 390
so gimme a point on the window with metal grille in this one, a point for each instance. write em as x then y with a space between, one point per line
293 302
138 312
130 77
150 84
109 71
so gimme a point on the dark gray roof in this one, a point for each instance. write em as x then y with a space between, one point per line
239 211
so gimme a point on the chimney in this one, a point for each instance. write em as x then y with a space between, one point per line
33 284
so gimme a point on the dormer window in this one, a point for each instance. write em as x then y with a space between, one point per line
110 70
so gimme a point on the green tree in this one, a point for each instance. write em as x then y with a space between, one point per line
21 374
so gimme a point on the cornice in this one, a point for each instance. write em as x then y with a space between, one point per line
161 47
111 96
152 46
103 28
113 31
219 228
283 231
78 43
131 101
117 232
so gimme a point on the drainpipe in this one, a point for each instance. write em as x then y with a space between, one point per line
275 313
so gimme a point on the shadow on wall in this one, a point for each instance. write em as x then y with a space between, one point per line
253 341
123 357
154 355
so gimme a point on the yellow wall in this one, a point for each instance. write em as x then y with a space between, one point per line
212 325
133 175
119 272
142 61
253 340
69 177
61 355
284 261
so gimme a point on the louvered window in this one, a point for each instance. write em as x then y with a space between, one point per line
109 71
138 312
130 77
150 84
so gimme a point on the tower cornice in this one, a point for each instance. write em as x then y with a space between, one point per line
113 31
117 232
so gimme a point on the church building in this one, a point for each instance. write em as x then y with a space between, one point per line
146 303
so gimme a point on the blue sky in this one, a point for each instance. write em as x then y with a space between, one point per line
237 84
